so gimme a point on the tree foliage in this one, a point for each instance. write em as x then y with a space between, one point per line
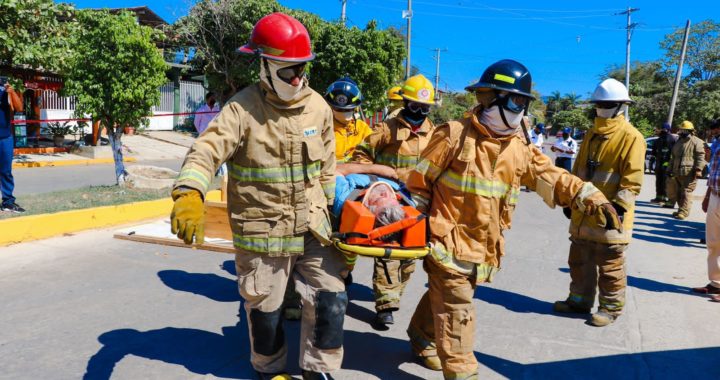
453 106
703 49
574 118
215 29
35 33
115 73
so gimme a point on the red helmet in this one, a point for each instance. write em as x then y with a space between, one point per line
280 37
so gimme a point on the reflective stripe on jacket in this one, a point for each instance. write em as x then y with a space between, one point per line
348 137
688 156
393 143
470 183
281 161
618 149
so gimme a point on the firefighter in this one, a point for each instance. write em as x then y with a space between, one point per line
687 161
277 136
344 97
661 151
398 142
468 180
396 102
612 156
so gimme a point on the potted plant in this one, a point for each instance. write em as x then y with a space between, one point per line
59 130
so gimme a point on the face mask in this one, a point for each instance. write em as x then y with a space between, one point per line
609 113
285 91
492 119
343 115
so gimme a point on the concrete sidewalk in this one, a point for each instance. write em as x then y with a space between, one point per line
150 146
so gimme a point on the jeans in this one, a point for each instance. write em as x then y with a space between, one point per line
7 183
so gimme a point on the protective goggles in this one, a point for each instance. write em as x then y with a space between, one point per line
607 105
288 73
421 108
513 103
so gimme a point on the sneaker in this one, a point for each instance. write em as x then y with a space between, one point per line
384 318
602 318
707 289
715 298
310 375
570 307
273 376
13 207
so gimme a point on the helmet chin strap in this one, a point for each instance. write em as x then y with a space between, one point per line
523 127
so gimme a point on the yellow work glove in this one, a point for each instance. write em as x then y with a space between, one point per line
591 201
188 215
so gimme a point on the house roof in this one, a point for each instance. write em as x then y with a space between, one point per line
144 14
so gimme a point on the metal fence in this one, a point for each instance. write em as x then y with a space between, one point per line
167 98
51 100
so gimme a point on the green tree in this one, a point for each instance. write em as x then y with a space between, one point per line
703 49
114 73
454 105
35 33
574 118
215 29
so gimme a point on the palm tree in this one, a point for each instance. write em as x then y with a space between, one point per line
570 100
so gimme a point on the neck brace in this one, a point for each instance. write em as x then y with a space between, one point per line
285 91
492 119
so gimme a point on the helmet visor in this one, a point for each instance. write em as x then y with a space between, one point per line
287 74
513 102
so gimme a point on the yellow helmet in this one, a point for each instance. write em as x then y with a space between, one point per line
687 125
418 89
394 93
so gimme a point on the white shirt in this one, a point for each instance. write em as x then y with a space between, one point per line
202 120
537 139
566 145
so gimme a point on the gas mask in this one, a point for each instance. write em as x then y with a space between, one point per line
278 76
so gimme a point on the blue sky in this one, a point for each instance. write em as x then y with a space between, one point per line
566 44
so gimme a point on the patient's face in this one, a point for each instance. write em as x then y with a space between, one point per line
381 196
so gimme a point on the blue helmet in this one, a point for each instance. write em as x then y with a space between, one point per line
666 126
344 94
541 127
567 130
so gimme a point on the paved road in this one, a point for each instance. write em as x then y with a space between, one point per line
47 179
88 305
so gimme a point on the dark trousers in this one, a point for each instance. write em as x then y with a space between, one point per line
660 180
564 162
7 183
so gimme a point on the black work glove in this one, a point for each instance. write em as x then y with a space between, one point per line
567 212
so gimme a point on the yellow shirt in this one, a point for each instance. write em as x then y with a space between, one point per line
347 137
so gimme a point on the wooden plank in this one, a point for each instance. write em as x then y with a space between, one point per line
175 242
217 224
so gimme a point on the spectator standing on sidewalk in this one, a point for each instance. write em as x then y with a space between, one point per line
711 205
565 149
10 102
537 136
203 118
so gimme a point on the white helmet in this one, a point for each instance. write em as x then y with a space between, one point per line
611 90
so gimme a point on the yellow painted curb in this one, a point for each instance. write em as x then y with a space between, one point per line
89 161
35 227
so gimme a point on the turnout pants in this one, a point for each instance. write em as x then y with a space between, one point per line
444 321
390 277
597 266
660 180
712 237
680 189
262 280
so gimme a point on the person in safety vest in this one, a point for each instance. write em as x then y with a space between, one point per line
612 156
398 143
687 161
661 151
468 180
277 136
396 102
344 97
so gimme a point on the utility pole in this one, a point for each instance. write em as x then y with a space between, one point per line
408 15
678 75
342 13
437 67
630 27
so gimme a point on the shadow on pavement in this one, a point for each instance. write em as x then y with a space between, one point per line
649 285
695 363
669 231
377 355
212 286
